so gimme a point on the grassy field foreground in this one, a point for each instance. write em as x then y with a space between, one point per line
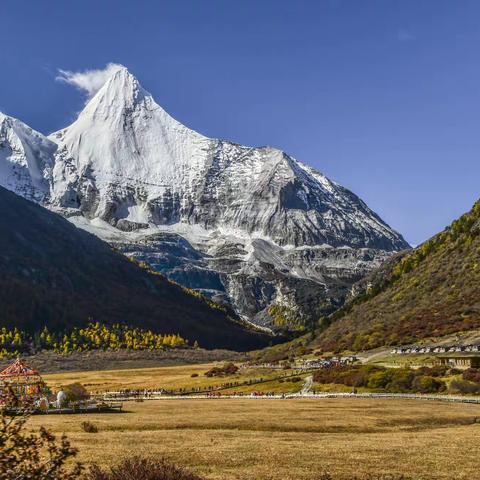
286 439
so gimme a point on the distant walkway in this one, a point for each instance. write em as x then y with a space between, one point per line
398 396
321 395
307 386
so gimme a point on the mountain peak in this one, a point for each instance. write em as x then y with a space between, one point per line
134 162
124 80
26 159
122 90
122 133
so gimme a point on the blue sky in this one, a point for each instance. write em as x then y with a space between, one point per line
382 96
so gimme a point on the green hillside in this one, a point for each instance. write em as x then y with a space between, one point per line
432 290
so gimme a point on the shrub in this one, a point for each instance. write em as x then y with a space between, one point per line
363 374
89 427
214 372
427 384
395 380
30 455
353 376
401 380
436 371
464 386
227 369
379 379
76 392
137 468
230 369
194 375
472 375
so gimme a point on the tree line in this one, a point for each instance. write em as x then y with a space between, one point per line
94 336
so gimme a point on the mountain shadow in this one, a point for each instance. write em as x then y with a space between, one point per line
54 274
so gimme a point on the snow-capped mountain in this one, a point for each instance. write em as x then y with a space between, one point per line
26 159
140 165
252 226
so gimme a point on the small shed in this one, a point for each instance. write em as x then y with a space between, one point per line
457 360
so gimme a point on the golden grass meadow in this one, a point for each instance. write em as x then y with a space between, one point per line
275 439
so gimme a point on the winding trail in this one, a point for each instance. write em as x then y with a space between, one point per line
307 386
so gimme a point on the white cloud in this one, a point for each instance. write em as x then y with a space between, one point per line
89 81
405 36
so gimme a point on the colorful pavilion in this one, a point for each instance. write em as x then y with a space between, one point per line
24 382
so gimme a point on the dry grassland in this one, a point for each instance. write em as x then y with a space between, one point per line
160 377
287 439
166 377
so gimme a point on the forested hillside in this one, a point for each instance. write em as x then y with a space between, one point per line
430 291
57 276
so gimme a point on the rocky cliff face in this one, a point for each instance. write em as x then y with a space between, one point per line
252 227
266 284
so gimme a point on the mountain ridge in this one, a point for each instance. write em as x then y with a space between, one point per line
26 159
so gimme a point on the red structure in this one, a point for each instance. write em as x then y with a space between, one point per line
18 369
22 381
